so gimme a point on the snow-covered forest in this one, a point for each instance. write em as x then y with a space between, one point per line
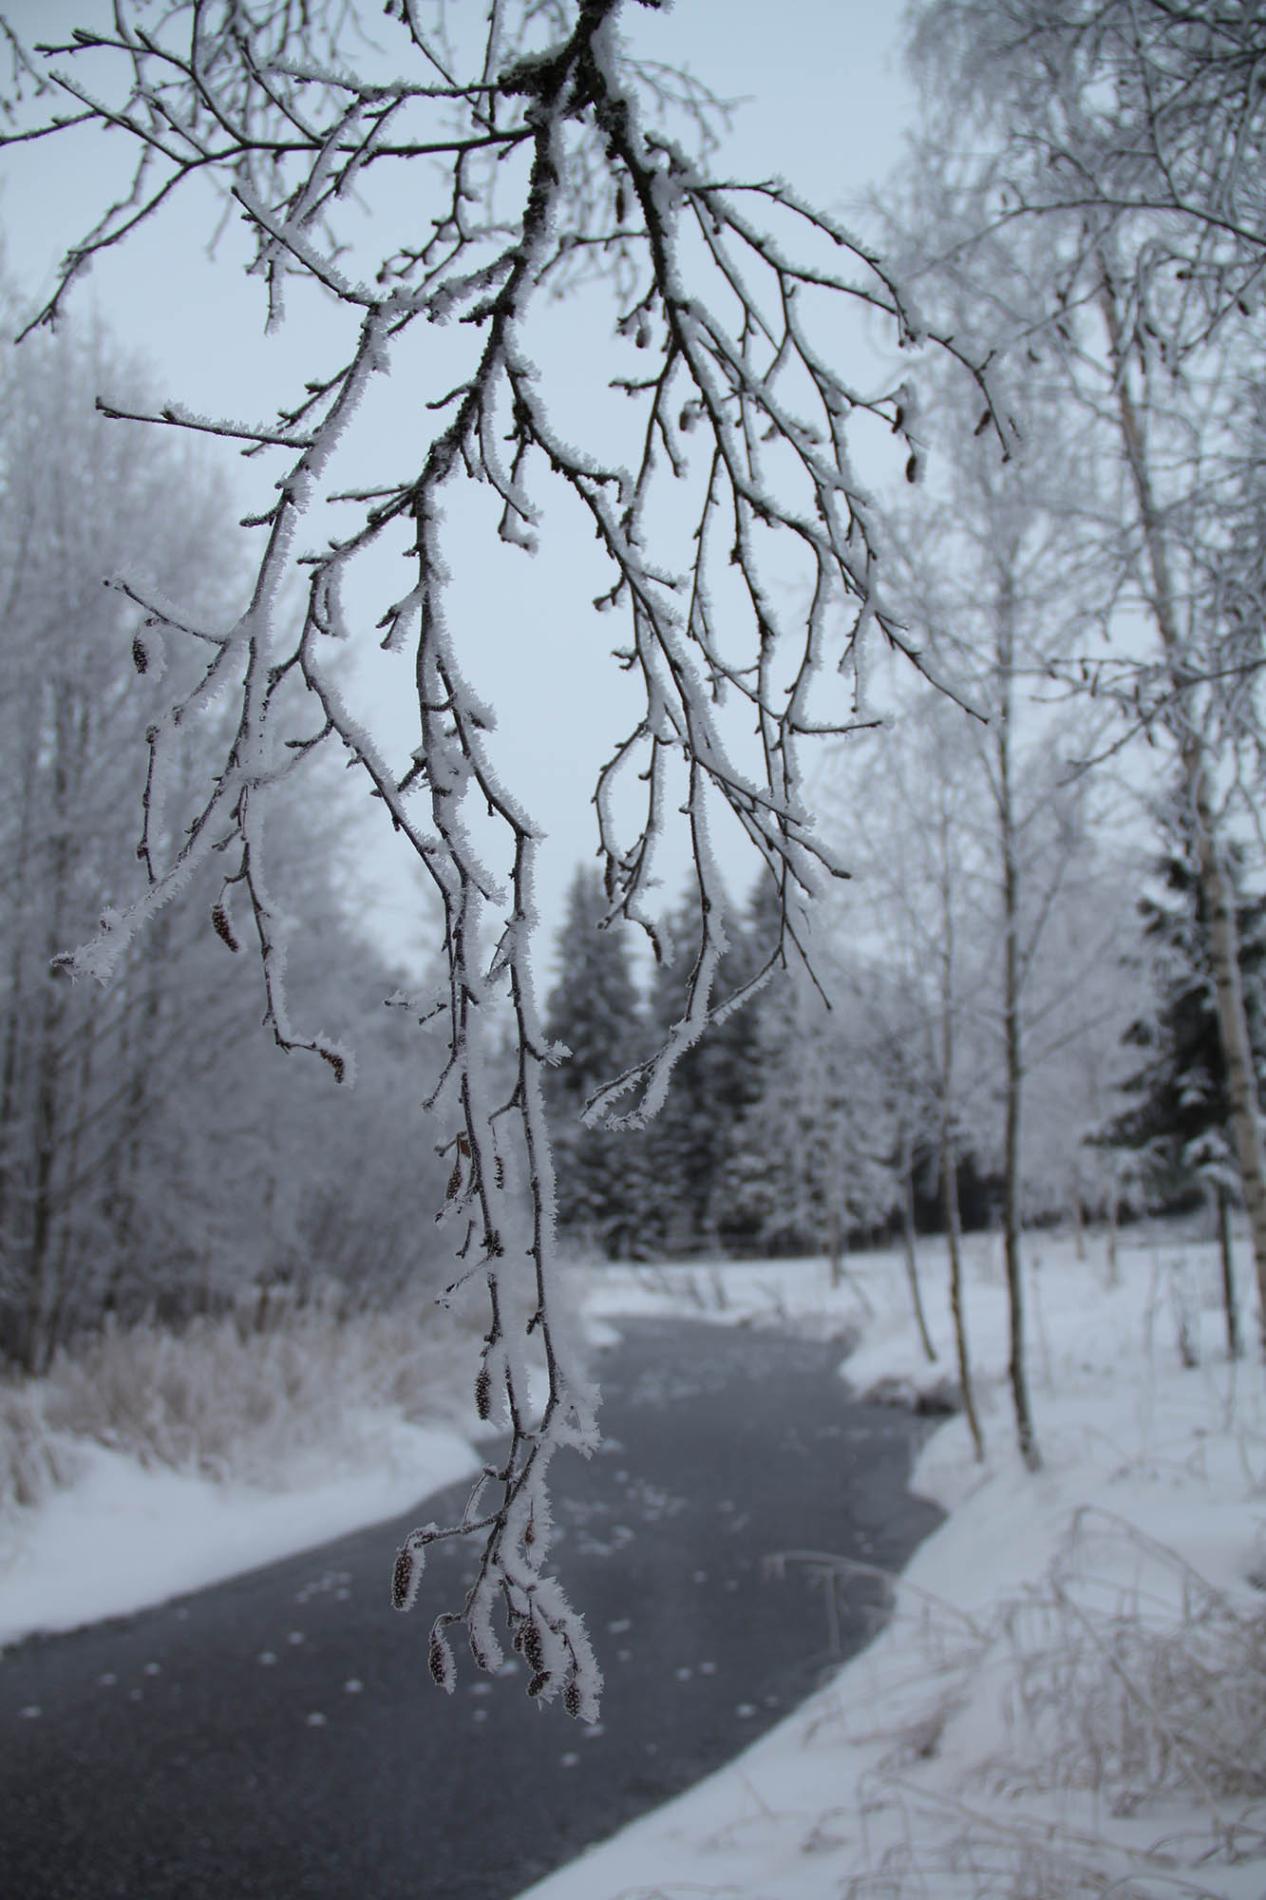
156 1158
919 923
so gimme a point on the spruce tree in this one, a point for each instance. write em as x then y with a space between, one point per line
1179 1112
690 1144
594 1010
1179 1120
816 1152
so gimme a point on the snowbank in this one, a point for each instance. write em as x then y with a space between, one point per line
121 1537
1070 1698
157 1464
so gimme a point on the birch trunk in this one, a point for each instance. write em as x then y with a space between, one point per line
911 1253
1215 885
1230 1305
1017 1369
953 1240
948 1155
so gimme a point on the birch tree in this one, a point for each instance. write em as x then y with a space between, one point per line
918 874
997 587
74 501
1117 150
540 154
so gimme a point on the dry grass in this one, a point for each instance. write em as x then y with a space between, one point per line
33 1459
986 1862
227 1397
1142 1688
1132 1688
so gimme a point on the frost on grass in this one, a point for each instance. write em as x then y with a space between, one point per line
1135 1690
229 1399
1126 1695
1100 1732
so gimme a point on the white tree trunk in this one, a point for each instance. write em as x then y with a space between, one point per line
1215 886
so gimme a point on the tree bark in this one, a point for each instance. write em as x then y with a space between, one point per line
1215 885
953 1240
1114 1222
911 1255
1017 1370
1230 1305
70 1295
48 1108
19 998
835 1246
948 1157
1237 1053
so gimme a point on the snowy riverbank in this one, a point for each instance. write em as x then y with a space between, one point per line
1071 1696
1071 1693
153 1463
121 1537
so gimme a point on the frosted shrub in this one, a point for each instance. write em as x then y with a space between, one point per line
33 1460
1134 1693
231 1397
1138 1689
982 1865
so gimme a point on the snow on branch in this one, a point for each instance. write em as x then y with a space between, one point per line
285 111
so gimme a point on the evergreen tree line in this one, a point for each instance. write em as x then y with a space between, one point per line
777 1136
801 1127
662 1191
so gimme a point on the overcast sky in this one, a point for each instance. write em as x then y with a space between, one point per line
821 101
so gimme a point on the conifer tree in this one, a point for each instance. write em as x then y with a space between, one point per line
806 1166
1179 1109
594 1011
691 1141
1178 1122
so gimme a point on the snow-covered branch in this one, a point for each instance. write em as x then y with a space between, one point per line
547 156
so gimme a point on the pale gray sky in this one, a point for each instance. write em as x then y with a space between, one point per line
824 105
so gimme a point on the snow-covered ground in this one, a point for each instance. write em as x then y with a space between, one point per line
1070 1698
122 1536
151 1463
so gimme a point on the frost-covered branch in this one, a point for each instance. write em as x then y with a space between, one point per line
1139 121
544 157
